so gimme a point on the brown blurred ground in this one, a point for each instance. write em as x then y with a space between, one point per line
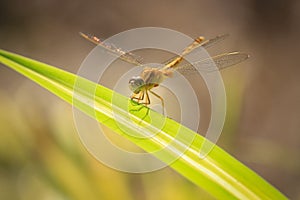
262 128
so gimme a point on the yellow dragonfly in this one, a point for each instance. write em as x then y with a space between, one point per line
153 77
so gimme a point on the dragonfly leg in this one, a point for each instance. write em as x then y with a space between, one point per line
139 98
147 98
161 99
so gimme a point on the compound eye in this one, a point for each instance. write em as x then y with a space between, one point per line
135 84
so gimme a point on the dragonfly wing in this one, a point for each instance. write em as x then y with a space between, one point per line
198 42
218 62
125 56
213 41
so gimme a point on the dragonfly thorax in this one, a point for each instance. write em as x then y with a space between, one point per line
153 76
150 77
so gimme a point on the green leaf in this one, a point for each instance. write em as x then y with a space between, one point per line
219 173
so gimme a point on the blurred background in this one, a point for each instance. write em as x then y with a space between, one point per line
41 156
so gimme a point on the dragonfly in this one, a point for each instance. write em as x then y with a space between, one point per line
150 78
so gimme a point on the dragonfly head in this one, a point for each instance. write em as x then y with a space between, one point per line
136 83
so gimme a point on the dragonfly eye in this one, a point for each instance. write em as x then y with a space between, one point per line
135 84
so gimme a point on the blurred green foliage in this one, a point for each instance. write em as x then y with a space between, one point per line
41 157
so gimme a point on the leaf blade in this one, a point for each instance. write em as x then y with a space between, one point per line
220 174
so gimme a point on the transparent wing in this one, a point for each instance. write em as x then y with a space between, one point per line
201 42
125 56
198 42
221 61
213 41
